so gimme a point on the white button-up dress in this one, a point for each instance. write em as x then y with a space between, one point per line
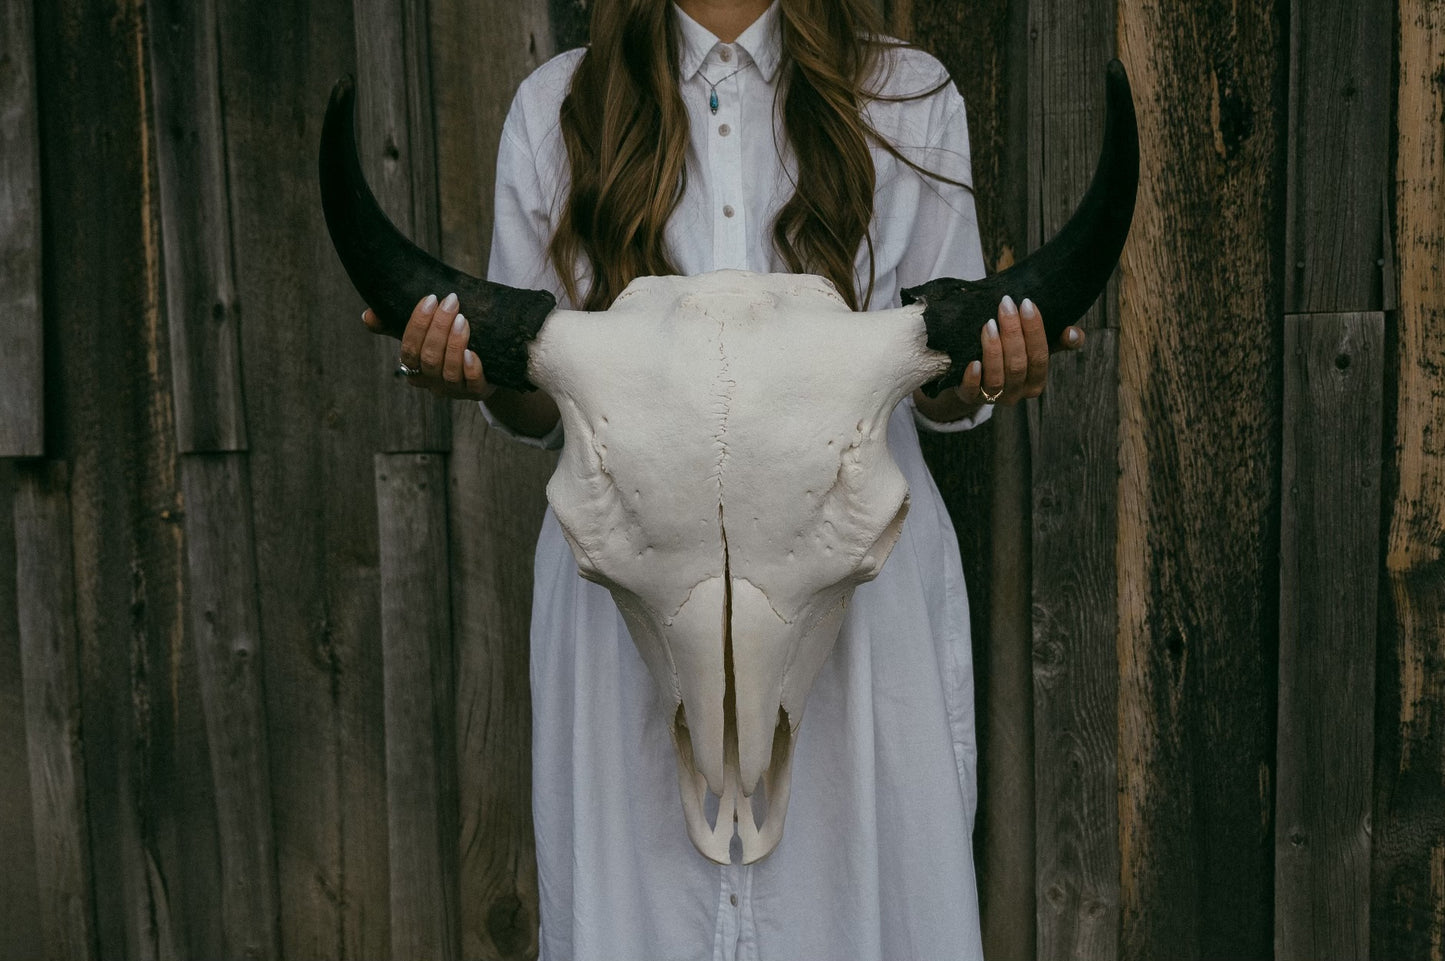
876 860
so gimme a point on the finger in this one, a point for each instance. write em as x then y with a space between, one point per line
968 391
416 328
1036 343
372 322
434 347
1072 338
992 381
456 347
476 379
1015 352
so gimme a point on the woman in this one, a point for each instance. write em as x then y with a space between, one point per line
712 134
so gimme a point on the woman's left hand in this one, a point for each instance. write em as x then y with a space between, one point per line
1015 357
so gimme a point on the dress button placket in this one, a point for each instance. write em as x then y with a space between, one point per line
729 222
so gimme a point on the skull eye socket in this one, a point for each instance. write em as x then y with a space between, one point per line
874 557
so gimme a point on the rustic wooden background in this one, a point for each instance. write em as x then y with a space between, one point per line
263 685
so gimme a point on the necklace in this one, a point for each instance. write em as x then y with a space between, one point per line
712 87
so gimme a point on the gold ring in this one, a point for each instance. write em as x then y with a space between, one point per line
990 398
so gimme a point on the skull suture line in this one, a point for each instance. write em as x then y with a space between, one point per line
726 473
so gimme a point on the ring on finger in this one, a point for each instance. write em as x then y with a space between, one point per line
402 370
990 398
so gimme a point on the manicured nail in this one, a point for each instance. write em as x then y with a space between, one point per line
459 324
1073 336
430 304
470 359
992 328
976 369
1027 308
1007 304
450 303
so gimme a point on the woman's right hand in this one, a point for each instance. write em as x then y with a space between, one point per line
434 346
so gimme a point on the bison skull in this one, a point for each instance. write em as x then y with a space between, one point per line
726 474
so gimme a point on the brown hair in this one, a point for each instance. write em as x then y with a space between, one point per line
626 132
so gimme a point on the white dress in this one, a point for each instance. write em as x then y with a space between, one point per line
876 860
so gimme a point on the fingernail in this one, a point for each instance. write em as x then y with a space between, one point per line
458 324
430 304
992 327
1007 303
976 369
1073 336
450 303
470 359
1027 307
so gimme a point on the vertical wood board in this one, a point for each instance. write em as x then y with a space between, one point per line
398 152
225 629
45 597
201 306
416 637
1408 902
1338 150
1199 369
497 498
1329 559
22 396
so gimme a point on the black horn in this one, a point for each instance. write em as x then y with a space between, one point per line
1065 275
391 273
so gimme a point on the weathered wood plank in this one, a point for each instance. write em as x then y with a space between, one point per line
314 404
151 840
22 390
416 633
45 595
225 629
1338 146
1075 463
1329 560
1199 363
1407 917
496 501
1076 682
985 473
201 306
19 884
398 153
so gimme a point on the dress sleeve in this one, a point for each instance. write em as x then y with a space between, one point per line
521 231
945 240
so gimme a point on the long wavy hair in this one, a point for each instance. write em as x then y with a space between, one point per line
626 132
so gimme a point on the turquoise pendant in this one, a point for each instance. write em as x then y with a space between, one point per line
712 101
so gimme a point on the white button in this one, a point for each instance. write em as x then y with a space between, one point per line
724 130
725 54
728 210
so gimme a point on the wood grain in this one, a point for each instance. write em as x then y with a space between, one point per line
45 592
421 794
22 389
1329 559
314 400
202 311
1338 151
1408 903
397 140
496 502
1199 368
225 629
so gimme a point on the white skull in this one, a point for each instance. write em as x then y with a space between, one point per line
726 476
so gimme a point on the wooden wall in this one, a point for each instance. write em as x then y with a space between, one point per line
263 676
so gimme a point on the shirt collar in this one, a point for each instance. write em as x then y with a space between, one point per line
762 41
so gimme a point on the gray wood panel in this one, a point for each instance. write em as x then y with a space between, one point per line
225 629
314 386
1329 560
416 634
22 396
1338 153
496 501
202 309
45 595
397 141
